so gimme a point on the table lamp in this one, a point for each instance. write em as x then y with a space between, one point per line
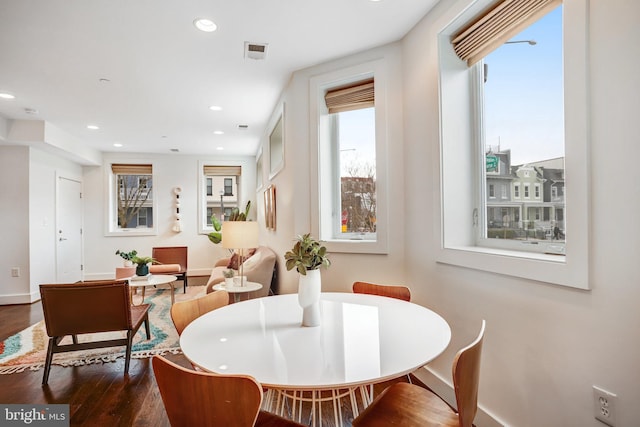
240 235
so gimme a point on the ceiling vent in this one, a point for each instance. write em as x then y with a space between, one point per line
243 127
255 50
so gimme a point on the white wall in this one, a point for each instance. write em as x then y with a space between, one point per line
169 171
294 191
545 345
27 189
14 247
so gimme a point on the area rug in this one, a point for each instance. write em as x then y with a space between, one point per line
27 349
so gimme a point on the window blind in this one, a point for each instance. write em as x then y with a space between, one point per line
222 170
354 97
131 169
497 25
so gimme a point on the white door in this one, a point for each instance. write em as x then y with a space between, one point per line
68 231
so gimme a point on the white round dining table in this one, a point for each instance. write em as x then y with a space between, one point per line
362 339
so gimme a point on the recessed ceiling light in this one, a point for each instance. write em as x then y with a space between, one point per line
92 127
218 132
5 95
117 144
215 108
206 25
219 148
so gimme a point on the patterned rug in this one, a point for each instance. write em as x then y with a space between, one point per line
27 349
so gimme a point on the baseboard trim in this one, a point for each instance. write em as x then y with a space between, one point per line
445 390
19 298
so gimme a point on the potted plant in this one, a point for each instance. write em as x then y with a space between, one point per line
142 264
228 277
127 256
307 256
236 215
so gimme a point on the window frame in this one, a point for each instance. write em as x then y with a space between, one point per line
323 219
458 225
112 193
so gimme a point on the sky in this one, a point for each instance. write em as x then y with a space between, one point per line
524 108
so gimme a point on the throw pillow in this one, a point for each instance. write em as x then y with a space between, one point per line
235 261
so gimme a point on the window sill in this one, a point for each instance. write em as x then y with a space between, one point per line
355 246
553 269
132 232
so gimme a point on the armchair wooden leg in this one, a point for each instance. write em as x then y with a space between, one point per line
48 359
127 357
146 326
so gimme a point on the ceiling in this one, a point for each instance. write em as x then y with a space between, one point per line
142 72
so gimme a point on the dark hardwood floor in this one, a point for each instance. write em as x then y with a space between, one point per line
97 394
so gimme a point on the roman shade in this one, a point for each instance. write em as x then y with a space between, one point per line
222 170
497 25
131 169
353 97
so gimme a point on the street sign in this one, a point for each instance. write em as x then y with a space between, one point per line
492 163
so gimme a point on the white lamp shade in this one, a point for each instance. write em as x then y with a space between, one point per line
239 234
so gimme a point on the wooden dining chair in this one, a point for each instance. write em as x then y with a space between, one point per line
73 309
195 398
392 291
185 312
409 405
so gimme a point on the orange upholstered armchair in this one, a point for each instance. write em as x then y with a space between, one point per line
86 308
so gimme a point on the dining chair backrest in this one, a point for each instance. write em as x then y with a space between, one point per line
466 379
392 291
196 398
185 312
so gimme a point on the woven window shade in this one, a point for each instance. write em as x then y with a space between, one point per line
354 97
497 25
132 169
222 170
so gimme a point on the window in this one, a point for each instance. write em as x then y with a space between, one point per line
504 191
219 185
228 186
534 121
492 191
132 205
350 117
209 186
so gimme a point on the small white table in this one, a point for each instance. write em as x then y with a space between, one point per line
362 340
237 291
153 280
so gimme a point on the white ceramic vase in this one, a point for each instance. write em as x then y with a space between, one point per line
309 287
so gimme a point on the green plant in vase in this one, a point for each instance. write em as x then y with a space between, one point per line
216 236
142 264
127 256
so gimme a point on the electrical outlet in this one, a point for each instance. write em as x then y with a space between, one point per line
604 406
15 272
